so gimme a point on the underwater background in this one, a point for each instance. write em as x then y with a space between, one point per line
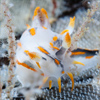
86 78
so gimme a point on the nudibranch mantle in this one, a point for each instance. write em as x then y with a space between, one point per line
45 52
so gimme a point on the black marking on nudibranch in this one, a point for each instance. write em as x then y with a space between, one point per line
44 58
87 52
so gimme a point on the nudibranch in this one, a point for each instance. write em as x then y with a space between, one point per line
42 52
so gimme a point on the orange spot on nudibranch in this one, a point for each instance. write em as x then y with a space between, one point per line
51 44
32 31
28 26
62 72
43 50
56 48
38 65
25 65
64 32
68 39
72 22
42 74
56 61
35 12
44 12
19 44
89 57
77 53
44 27
55 38
32 55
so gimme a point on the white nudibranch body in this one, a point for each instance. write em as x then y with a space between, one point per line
44 53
